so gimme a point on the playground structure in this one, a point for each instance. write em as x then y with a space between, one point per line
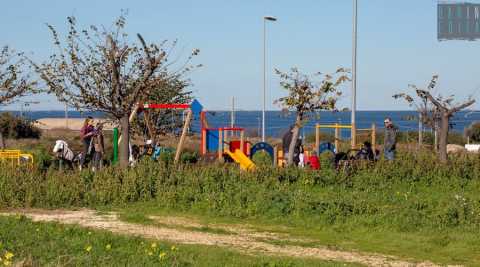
16 157
338 127
216 141
213 140
194 108
224 141
230 141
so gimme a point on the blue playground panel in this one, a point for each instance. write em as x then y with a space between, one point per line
196 107
212 140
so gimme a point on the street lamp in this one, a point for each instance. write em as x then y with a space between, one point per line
26 104
265 19
354 75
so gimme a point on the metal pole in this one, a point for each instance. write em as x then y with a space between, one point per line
354 73
269 18
264 76
232 116
66 116
115 145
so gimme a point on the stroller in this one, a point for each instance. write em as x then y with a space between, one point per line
349 160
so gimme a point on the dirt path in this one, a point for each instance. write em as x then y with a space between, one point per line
242 239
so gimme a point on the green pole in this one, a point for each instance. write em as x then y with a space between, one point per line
115 145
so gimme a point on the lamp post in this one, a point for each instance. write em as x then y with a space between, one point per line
354 75
66 116
24 106
265 19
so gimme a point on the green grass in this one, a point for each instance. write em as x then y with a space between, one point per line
446 246
413 207
50 244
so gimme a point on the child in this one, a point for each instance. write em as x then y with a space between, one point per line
157 151
301 157
313 161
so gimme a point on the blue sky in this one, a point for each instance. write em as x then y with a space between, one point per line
397 43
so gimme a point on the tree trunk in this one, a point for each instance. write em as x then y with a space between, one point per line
296 131
2 141
124 151
443 138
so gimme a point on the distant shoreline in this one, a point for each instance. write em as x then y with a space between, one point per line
70 124
238 110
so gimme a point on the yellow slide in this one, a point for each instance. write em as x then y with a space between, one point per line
239 157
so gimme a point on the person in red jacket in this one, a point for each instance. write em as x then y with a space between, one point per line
313 161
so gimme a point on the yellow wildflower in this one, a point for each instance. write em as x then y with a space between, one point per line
162 255
154 245
88 248
8 255
89 233
150 253
173 248
7 263
108 247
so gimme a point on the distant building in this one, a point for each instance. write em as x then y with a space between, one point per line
458 21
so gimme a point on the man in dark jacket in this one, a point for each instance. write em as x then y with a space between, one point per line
390 140
286 140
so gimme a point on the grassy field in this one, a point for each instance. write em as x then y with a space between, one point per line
443 246
27 243
414 208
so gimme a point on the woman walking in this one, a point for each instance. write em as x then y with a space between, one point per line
86 133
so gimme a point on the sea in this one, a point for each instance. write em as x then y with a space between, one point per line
277 122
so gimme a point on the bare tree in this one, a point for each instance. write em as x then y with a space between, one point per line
428 114
98 69
443 109
307 95
14 81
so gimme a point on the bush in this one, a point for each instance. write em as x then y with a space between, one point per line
324 137
414 193
167 156
18 127
473 132
262 158
428 138
189 157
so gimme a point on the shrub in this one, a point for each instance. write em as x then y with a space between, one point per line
262 158
189 157
428 137
473 132
18 127
324 137
167 156
414 193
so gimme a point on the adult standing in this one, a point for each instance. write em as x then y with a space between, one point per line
99 147
390 140
286 140
86 133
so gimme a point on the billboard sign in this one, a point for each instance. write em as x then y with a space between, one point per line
458 21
